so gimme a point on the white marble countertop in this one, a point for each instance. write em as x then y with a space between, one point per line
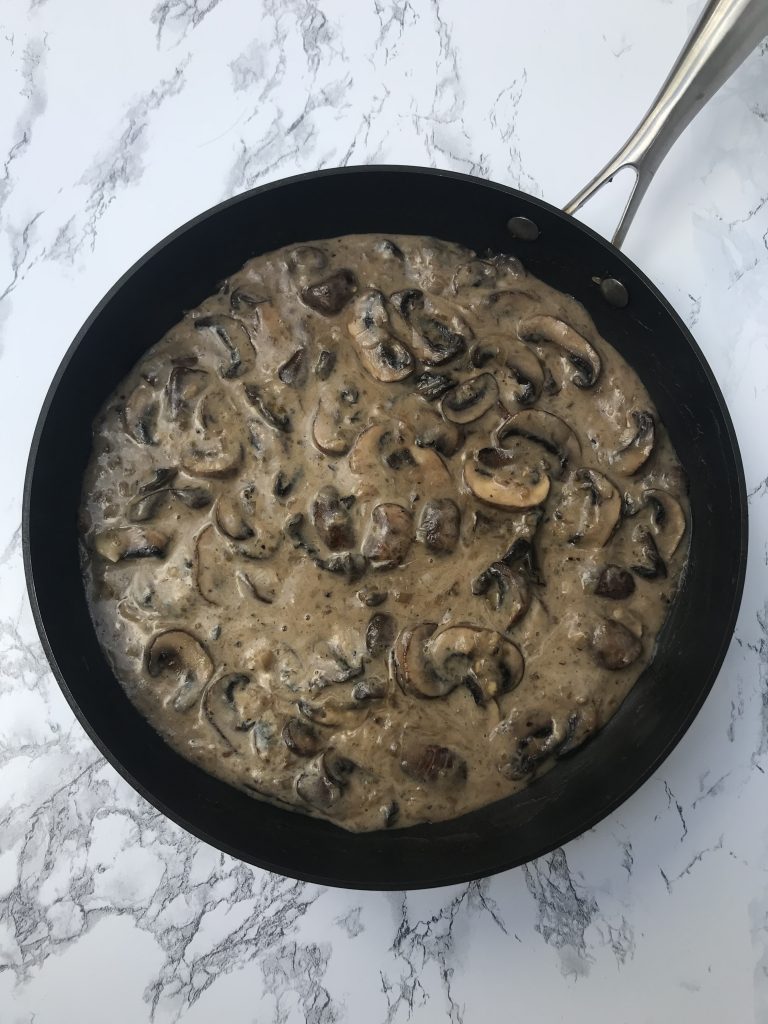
119 122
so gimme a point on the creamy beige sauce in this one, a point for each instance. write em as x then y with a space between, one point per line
381 530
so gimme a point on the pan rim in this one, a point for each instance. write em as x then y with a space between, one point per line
502 862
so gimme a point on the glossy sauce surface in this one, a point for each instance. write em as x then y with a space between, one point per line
381 530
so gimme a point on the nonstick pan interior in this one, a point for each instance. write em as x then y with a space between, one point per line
184 269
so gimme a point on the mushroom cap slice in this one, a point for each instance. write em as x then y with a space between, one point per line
214 457
331 430
471 399
437 332
413 672
589 510
613 646
331 295
508 590
520 374
236 340
498 479
389 537
140 414
213 565
176 654
383 354
667 520
388 449
637 448
239 709
530 737
131 542
544 429
582 356
185 383
482 659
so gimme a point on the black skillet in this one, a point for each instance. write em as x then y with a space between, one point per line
186 267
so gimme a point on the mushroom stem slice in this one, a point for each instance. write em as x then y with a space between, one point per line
578 351
497 479
131 542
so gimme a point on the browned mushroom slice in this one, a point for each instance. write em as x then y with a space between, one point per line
613 646
318 788
380 634
245 299
667 521
300 738
385 447
330 296
325 365
140 414
520 374
577 350
545 430
192 497
389 536
294 370
432 386
506 589
497 478
442 435
304 258
588 511
385 356
649 565
583 722
483 660
332 520
239 709
177 655
438 333
234 336
332 430
256 584
219 456
235 517
131 542
439 525
269 407
508 305
413 673
332 710
475 273
615 583
185 383
530 738
635 449
431 764
471 399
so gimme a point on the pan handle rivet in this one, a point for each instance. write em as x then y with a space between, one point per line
614 292
523 229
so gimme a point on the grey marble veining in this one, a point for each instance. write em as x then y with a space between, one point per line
119 123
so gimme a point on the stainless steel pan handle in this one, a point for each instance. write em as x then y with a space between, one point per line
726 32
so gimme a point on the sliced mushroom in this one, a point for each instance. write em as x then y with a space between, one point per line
185 383
615 583
385 356
495 477
294 370
213 566
432 764
650 564
236 706
380 634
545 430
583 722
439 525
317 788
667 521
389 536
269 407
330 296
385 447
219 456
146 506
613 646
442 435
246 299
235 517
257 585
332 431
325 365
577 350
332 520
131 542
140 414
588 511
192 497
483 660
176 654
475 273
234 336
432 385
438 333
429 665
304 258
471 399
520 374
300 737
507 589
636 449
531 737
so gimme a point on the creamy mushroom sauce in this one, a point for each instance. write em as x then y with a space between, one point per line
381 530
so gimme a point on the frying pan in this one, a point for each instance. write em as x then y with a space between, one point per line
186 266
